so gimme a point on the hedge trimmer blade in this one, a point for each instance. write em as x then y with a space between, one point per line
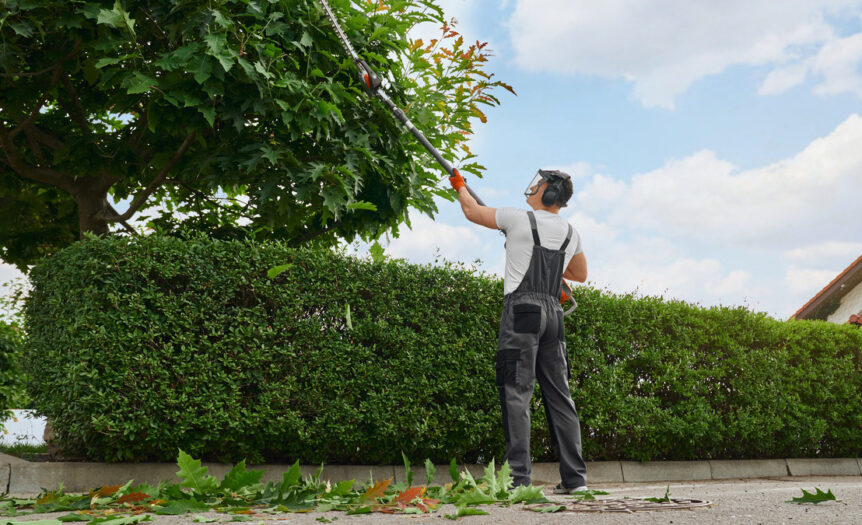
374 86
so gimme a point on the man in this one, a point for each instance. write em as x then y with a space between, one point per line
541 249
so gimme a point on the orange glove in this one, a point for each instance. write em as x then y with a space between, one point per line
457 181
566 293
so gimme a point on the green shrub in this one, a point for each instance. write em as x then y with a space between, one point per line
11 381
139 346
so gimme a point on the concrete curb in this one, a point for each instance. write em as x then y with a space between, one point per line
24 477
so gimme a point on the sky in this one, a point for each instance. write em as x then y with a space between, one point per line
715 147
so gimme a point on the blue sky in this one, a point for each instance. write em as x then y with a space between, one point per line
716 147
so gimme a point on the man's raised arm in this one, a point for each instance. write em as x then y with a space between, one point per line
482 215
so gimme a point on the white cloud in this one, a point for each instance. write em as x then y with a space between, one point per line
836 65
797 217
782 205
807 281
664 46
829 252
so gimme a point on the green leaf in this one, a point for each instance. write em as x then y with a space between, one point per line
548 508
475 497
342 488
121 520
453 467
408 470
350 327
75 516
209 113
141 83
815 498
664 499
175 508
465 511
219 49
306 39
490 479
194 476
117 17
291 477
108 61
359 510
377 256
22 28
239 477
203 519
504 478
527 494
429 472
275 271
361 205
220 19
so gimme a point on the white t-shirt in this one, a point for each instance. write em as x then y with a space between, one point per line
519 240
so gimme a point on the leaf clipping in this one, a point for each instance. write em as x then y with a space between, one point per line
815 498
378 490
194 476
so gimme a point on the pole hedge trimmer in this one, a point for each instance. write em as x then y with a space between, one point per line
374 86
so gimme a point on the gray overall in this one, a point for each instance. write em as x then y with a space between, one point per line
532 344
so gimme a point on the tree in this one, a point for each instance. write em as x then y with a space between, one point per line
230 111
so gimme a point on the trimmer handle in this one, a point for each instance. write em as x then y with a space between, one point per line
566 296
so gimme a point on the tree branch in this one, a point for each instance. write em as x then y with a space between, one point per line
35 113
312 234
43 71
158 181
78 114
125 224
34 145
37 174
210 199
45 138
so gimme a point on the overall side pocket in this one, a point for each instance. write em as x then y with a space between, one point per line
507 366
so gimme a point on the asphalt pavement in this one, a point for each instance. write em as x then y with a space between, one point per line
749 501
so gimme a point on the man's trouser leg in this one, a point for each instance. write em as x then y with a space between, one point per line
563 423
515 405
520 327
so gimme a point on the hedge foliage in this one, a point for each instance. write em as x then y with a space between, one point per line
139 346
11 379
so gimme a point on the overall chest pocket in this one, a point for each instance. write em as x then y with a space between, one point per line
527 318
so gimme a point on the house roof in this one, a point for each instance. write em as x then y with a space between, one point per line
834 291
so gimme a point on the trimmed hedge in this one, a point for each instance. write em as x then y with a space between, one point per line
11 379
139 346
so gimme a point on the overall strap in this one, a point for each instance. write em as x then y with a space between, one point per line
533 227
568 238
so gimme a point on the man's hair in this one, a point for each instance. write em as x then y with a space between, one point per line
566 192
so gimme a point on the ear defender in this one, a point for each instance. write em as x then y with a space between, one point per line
552 191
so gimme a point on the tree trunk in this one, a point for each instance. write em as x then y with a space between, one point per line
93 207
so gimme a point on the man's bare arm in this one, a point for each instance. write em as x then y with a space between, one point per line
482 215
577 269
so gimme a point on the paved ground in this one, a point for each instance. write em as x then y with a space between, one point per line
753 501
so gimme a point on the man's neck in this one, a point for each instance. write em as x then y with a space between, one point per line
554 210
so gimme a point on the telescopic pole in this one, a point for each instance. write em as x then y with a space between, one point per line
374 86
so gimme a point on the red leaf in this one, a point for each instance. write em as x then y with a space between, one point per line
133 497
409 495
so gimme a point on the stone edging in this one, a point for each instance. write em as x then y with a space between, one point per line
18 476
